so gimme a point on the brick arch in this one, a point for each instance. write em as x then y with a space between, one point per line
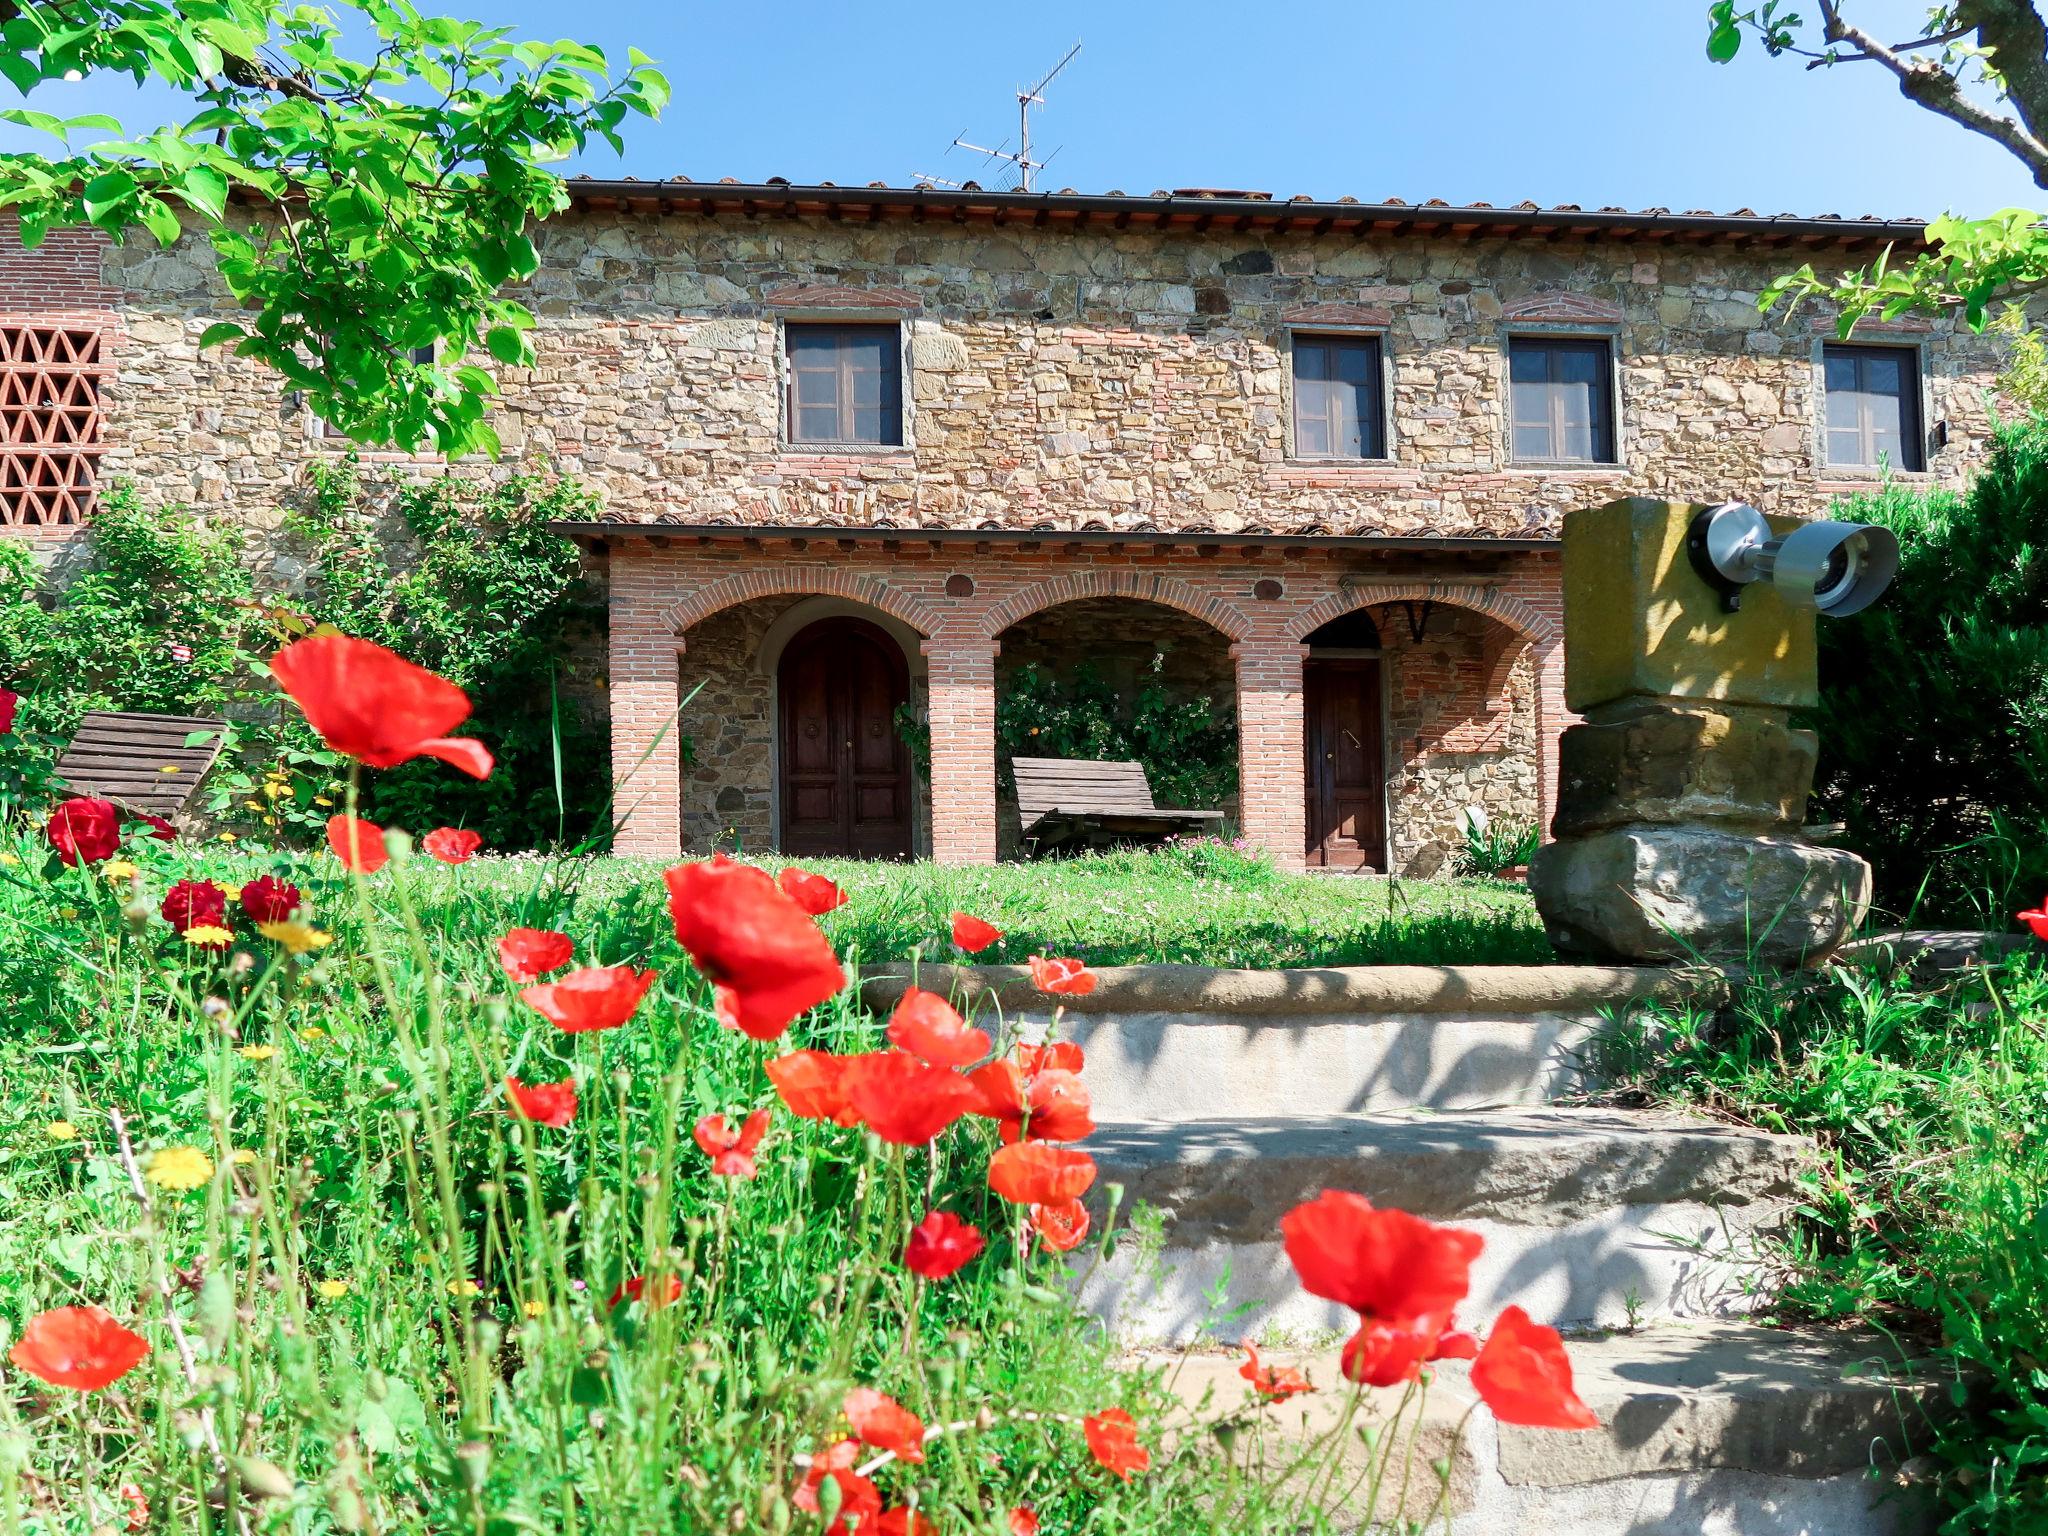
1139 586
803 581
1491 601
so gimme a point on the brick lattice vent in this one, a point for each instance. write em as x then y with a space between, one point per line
50 381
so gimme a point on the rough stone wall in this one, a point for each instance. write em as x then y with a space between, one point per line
1065 379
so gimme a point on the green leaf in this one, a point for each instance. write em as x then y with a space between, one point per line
506 344
206 190
24 75
1724 42
213 336
160 220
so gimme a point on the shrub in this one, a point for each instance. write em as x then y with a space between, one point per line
1954 660
1188 745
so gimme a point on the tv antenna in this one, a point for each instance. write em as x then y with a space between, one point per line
1021 156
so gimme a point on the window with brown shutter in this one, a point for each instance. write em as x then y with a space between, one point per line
1563 399
1873 407
50 382
1338 412
845 384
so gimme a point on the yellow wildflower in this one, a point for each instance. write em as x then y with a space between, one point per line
533 1308
229 837
207 936
179 1168
311 1033
322 800
60 1130
296 937
118 870
232 891
333 1290
464 1288
67 912
242 1157
10 859
256 1052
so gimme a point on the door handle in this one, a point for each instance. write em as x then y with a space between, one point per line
1353 740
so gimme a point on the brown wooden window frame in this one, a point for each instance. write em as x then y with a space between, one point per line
52 417
1372 416
1605 426
890 413
1912 431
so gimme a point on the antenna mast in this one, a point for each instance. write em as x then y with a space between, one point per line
1021 157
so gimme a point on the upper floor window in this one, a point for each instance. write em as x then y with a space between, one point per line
845 383
325 429
1337 408
1873 406
49 424
1563 402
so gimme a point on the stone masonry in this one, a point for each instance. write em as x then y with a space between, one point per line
1060 378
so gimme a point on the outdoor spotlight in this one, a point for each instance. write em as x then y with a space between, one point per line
1833 568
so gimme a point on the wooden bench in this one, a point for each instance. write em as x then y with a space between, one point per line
141 761
1065 803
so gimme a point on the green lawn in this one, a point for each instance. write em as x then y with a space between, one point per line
1202 904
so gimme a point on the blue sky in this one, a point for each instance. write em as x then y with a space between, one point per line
1587 101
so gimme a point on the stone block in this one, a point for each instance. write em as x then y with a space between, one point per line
1736 768
1639 621
1673 893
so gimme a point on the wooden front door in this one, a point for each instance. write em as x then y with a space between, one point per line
1346 774
845 770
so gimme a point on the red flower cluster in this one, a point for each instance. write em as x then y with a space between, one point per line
880 1421
527 954
79 1347
2037 919
1036 1093
549 1104
452 845
814 893
971 934
940 1245
1273 1383
635 1289
8 700
597 997
1066 978
84 829
375 706
267 899
358 844
901 1099
1113 1441
926 1025
732 1151
195 904
763 955
860 1503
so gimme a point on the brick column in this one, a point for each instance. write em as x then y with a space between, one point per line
647 791
962 682
1270 746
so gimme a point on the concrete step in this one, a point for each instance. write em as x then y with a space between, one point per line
1169 1042
1718 1427
1591 1216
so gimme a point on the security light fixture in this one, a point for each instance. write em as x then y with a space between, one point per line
1835 569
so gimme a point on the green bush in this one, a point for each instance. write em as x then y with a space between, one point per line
1188 746
1933 718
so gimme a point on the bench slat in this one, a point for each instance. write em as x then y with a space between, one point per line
120 754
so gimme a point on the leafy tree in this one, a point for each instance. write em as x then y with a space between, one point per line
1972 60
365 211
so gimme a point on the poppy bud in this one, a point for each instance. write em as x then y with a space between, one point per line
829 1499
473 1463
397 844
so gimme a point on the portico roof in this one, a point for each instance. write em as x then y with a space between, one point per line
603 533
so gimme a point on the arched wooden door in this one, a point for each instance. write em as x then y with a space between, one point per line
845 771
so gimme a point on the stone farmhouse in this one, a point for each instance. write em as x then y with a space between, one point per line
867 452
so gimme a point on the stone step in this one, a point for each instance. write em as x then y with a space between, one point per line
1171 1042
1716 1427
1591 1216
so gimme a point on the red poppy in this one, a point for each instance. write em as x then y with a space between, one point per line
860 1504
732 1151
902 1099
972 934
452 845
358 844
2037 919
1273 1383
940 1245
375 706
268 899
195 904
810 1085
1053 1056
549 1104
925 1024
1113 1441
1383 1264
1062 1227
159 829
884 1423
8 699
1069 978
904 1521
814 893
1387 1351
635 1289
1023 1521
526 953
597 997
1040 1173
1525 1377
78 1347
84 830
765 958
1056 1102
1454 1344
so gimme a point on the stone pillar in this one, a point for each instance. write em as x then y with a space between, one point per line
961 677
1270 737
1682 791
647 792
1553 717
